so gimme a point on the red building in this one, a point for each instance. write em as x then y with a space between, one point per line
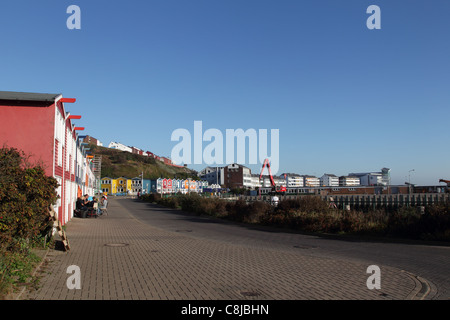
166 160
39 125
92 140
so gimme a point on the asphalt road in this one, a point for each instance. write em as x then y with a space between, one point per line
429 262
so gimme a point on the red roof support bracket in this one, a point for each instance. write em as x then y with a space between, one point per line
68 100
74 117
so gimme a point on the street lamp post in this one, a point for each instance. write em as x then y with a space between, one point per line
409 179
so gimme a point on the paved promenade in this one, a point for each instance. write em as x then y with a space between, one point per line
121 257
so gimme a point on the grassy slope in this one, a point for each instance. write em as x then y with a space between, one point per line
116 163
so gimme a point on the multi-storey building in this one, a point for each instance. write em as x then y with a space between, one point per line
374 178
252 181
234 175
329 180
293 180
214 175
350 181
310 181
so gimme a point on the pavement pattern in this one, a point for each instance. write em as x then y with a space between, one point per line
122 258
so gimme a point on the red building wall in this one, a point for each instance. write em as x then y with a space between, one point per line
31 129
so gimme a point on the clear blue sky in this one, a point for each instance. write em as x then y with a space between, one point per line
344 98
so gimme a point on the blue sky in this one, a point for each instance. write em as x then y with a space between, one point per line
344 98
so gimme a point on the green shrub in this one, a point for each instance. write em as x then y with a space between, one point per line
237 210
171 202
254 212
190 202
150 197
26 195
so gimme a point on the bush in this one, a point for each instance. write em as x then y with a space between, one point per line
26 195
190 202
171 202
434 224
257 211
236 210
306 203
150 197
254 212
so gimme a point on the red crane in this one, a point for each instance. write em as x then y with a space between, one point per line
279 189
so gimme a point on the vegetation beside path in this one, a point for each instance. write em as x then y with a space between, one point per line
26 194
313 215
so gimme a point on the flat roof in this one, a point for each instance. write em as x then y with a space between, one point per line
28 96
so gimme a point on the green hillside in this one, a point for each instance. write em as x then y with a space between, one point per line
116 163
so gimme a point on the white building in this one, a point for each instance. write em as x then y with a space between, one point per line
279 181
252 181
371 179
350 181
329 180
119 146
293 180
310 181
374 178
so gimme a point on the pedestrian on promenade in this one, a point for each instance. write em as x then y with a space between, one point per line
104 206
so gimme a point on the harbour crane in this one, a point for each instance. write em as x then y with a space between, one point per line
275 188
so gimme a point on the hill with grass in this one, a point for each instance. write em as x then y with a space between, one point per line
117 163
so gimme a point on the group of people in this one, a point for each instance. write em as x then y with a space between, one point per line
85 203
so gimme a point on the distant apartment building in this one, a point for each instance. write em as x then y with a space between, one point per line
119 146
237 176
310 181
213 175
329 180
381 178
253 181
349 181
234 175
293 180
278 180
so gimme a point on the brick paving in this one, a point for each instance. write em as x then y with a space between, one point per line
122 258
